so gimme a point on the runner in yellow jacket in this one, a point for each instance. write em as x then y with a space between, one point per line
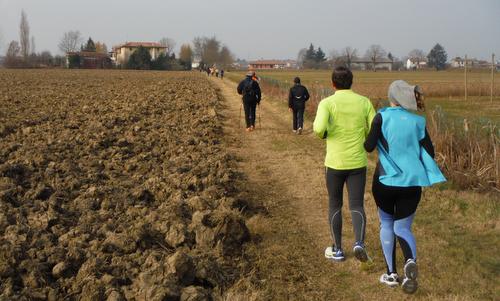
344 120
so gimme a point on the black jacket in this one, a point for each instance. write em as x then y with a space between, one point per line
297 97
255 96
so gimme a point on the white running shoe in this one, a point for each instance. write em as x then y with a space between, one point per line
410 283
390 280
299 131
334 254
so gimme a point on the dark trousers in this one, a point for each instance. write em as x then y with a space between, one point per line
335 181
298 118
250 110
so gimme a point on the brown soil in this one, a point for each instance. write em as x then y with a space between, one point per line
115 186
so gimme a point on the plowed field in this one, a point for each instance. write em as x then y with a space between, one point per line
115 185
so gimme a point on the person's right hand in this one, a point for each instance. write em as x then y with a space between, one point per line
289 109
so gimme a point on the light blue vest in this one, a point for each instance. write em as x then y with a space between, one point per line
407 163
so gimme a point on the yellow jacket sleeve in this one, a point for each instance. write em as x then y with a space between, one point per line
320 124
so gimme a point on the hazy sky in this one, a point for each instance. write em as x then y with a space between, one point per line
267 28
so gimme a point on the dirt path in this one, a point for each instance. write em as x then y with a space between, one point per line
285 173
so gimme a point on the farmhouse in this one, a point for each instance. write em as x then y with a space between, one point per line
88 60
121 53
416 63
457 62
272 64
367 64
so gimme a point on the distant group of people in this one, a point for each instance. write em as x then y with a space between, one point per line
213 71
351 127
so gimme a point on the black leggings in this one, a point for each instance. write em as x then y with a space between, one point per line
250 110
298 118
355 179
397 207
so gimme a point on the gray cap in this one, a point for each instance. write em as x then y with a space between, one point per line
403 94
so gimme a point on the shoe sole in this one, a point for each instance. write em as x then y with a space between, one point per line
360 254
411 270
335 258
409 285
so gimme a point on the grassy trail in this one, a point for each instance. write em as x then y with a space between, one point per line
285 174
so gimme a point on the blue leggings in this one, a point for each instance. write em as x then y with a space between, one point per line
396 209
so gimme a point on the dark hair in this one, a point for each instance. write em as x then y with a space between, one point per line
342 77
419 97
296 80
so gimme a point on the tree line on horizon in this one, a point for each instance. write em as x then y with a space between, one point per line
207 51
312 58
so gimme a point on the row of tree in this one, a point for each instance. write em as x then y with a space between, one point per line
207 51
316 59
211 52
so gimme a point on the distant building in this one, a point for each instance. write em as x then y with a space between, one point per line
367 64
416 63
272 64
457 62
195 64
121 53
88 60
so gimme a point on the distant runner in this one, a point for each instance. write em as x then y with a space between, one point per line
344 119
405 165
250 91
222 74
297 104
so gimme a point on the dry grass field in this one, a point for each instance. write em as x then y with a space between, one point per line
457 232
444 88
465 133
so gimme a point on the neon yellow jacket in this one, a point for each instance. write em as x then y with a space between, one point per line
344 119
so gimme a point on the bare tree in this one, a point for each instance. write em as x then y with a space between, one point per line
186 56
226 58
12 57
1 39
417 56
375 53
70 41
301 57
24 35
211 50
33 47
349 54
198 47
337 58
169 43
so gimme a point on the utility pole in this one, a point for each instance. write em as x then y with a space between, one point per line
492 75
465 69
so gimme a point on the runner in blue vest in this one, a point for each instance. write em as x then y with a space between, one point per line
405 165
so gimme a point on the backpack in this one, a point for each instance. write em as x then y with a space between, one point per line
248 89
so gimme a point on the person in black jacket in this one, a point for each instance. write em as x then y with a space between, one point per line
250 91
297 104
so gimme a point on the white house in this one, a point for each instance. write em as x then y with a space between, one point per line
457 62
416 63
121 53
